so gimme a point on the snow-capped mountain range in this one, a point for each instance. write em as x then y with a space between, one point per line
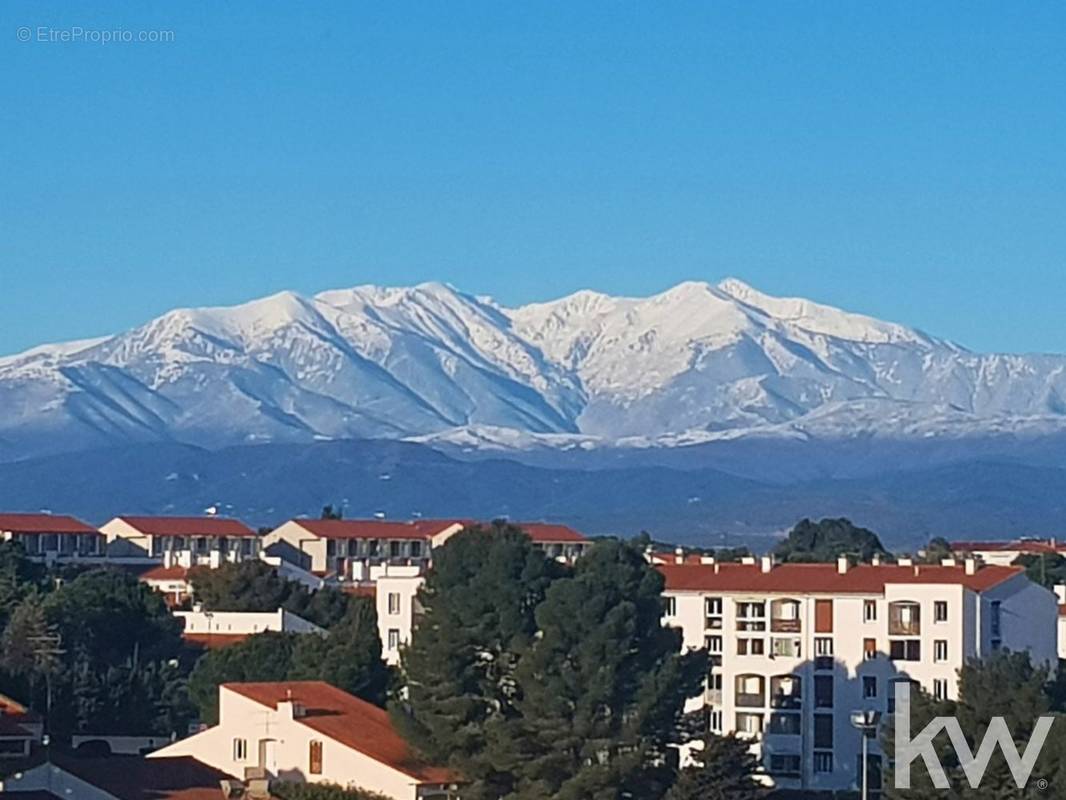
696 363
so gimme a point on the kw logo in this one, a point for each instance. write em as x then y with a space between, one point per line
973 765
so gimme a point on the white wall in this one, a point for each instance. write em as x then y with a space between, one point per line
245 622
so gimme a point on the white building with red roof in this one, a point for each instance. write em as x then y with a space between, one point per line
1006 553
797 648
52 537
309 731
181 541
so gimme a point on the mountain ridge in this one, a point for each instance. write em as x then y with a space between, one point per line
694 364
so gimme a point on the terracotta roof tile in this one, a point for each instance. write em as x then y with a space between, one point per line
189 526
824 578
375 528
345 718
161 573
43 523
550 533
1021 545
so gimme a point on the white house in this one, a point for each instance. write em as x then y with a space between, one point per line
219 628
1007 552
52 537
396 590
181 541
796 648
309 731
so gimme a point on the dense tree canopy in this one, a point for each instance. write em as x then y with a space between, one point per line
724 769
536 681
349 657
827 540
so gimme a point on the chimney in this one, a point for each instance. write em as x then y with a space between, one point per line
875 560
717 567
766 563
906 561
948 562
971 566
679 556
706 559
749 560
842 564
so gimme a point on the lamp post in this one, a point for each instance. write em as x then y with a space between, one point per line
866 722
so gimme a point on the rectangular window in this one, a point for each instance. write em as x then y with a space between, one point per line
240 749
784 764
940 689
394 602
869 649
869 611
823 691
823 731
823 616
395 549
785 648
394 638
905 650
823 646
716 721
749 723
671 606
416 549
940 611
994 607
713 606
714 644
785 724
823 762
315 757
940 650
869 687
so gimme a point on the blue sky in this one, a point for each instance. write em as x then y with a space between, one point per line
901 159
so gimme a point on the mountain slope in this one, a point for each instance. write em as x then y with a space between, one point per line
695 364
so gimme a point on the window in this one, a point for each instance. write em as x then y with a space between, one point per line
416 549
940 650
750 690
784 764
786 691
869 649
751 647
904 618
869 611
315 757
940 689
784 724
240 749
823 762
714 644
905 650
394 602
785 648
940 611
714 606
394 638
749 723
671 606
869 687
823 731
395 549
823 646
716 721
823 691
994 619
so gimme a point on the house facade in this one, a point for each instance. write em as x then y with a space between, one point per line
797 648
311 732
52 538
181 541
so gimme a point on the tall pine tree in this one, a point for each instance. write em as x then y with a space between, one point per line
724 769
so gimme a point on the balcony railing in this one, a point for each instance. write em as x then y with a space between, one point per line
899 627
785 625
751 700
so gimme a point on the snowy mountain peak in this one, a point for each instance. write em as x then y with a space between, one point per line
695 361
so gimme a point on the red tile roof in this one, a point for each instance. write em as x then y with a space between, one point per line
13 709
824 578
549 533
346 719
189 526
43 523
1062 610
375 528
172 573
213 641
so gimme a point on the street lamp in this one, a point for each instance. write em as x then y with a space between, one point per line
866 722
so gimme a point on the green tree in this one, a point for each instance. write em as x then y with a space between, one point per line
479 602
827 540
725 769
349 657
602 689
18 577
1046 569
263 657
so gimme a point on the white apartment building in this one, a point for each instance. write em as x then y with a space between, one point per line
345 547
797 648
180 541
52 537
311 732
218 628
396 596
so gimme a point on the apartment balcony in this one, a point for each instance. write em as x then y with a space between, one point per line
750 701
785 626
713 697
904 619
